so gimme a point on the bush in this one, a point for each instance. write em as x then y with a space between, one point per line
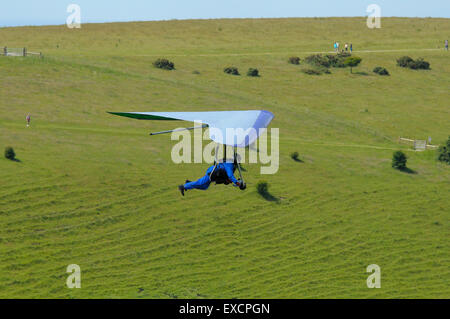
352 61
318 60
407 62
444 152
253 72
404 61
295 157
399 160
333 60
262 188
420 63
231 70
294 60
381 71
164 64
337 60
9 153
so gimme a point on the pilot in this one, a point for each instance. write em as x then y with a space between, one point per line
221 173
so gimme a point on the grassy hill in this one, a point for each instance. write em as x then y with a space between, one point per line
96 190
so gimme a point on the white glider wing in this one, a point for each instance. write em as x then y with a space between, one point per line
234 128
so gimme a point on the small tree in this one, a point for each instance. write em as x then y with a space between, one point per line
352 61
444 152
9 153
399 160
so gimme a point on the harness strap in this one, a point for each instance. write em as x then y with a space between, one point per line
239 166
215 162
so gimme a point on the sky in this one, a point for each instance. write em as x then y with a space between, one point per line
44 12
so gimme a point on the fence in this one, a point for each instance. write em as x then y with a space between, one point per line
418 145
19 52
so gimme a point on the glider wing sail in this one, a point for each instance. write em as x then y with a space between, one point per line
234 128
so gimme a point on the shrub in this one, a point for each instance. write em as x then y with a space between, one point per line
9 153
231 70
352 62
399 160
420 63
407 62
253 72
262 188
333 60
317 60
337 60
164 64
444 152
404 61
294 60
295 156
381 71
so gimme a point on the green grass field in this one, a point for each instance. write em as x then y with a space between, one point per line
95 190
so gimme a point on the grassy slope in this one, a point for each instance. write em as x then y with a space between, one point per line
95 190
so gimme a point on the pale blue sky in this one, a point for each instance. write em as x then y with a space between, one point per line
38 12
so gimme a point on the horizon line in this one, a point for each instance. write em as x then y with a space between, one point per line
44 24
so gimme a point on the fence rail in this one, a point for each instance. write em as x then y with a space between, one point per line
19 52
418 145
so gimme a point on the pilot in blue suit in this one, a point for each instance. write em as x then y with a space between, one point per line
222 173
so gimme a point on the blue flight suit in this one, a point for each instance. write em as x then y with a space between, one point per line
203 182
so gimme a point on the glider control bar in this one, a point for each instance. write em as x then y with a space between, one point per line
180 129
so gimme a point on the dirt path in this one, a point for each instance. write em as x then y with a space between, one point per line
283 53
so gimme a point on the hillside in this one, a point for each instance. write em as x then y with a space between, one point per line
96 190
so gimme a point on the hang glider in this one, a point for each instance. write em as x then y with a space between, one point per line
233 128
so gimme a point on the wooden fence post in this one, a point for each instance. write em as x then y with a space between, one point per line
5 51
24 51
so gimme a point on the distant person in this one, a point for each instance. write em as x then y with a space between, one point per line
351 47
28 119
335 46
346 47
446 45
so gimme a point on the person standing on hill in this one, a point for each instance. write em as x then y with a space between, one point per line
335 46
346 47
351 48
28 119
446 45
